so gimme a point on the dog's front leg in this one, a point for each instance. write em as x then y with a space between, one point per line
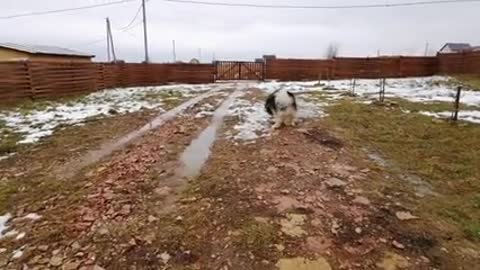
278 121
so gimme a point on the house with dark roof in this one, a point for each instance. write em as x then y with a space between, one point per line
22 52
456 48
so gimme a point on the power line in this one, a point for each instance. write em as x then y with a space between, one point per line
128 26
64 10
385 5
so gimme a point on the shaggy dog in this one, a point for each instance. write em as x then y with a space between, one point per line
282 105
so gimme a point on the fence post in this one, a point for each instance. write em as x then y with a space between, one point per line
457 104
382 90
30 79
353 86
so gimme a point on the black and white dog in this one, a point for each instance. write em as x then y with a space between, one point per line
282 105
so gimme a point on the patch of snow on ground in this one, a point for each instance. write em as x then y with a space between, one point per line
6 156
20 236
32 216
39 123
3 220
253 119
18 253
468 116
425 89
421 89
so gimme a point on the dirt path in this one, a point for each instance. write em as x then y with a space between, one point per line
298 198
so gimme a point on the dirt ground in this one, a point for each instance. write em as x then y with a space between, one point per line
303 197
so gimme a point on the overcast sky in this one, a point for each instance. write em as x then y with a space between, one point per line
243 33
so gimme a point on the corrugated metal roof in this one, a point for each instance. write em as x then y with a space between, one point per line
41 49
459 46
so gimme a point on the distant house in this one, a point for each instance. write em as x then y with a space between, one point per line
455 48
476 48
17 52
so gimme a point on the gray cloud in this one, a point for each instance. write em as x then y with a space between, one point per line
243 33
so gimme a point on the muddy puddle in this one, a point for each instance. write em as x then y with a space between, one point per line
70 169
195 155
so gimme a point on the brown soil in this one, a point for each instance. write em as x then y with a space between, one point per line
302 192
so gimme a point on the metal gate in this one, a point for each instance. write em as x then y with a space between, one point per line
234 70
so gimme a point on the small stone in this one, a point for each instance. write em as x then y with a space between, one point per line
280 247
272 169
97 267
71 266
383 240
89 218
43 248
285 191
75 246
56 261
152 218
358 230
335 227
126 209
179 219
335 183
132 242
361 200
405 215
2 250
366 170
165 257
163 191
103 231
398 245
56 252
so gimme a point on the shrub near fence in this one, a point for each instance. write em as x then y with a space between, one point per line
42 79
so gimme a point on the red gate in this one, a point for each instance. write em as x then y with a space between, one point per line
234 70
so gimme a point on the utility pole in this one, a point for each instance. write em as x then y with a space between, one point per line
110 37
108 41
426 49
145 39
174 52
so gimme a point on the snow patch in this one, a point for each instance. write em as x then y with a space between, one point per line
40 123
3 221
18 253
32 216
468 116
253 120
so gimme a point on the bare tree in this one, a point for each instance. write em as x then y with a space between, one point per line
332 51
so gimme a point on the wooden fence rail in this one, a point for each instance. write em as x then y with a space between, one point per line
35 80
20 80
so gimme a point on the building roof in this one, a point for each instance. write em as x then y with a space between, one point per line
457 46
41 49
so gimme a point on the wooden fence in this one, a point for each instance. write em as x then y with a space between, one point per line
463 63
19 80
41 80
346 68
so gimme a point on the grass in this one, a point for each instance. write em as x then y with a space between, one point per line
257 237
444 154
8 140
470 82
